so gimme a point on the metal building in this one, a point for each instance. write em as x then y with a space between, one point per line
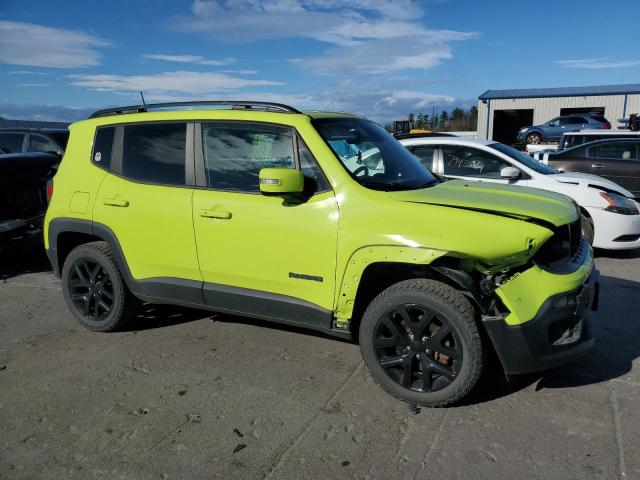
501 113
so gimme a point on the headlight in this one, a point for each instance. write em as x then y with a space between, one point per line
619 204
524 129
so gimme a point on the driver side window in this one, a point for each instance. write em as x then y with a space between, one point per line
470 162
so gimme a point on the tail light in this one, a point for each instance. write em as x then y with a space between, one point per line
49 190
606 125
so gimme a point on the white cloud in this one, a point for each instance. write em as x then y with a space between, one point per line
240 72
168 83
195 59
40 46
598 63
365 36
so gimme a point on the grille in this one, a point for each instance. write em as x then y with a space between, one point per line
562 249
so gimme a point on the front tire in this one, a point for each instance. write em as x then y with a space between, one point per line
94 289
534 139
421 343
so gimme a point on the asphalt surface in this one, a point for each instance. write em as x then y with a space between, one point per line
191 395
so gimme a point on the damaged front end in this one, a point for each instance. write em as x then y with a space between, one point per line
536 314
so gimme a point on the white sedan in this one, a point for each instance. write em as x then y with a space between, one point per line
610 215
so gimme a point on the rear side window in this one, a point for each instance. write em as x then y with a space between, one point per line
600 118
577 120
234 154
11 142
155 153
102 147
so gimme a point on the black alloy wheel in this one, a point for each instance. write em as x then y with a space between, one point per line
91 289
417 348
94 288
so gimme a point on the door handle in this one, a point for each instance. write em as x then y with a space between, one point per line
221 214
597 165
115 202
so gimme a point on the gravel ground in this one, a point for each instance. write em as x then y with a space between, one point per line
191 395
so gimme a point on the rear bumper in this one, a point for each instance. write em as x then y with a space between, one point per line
561 331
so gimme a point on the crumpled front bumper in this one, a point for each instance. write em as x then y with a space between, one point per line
549 320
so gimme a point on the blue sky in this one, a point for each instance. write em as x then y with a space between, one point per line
60 59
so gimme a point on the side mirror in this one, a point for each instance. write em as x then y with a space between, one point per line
278 181
510 173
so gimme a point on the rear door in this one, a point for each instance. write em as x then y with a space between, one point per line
617 161
146 199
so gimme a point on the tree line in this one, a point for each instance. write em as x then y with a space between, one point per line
458 120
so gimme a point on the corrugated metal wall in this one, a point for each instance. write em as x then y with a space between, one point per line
544 109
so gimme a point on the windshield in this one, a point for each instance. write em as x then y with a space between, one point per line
517 155
372 156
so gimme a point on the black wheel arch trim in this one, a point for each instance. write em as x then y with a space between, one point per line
197 294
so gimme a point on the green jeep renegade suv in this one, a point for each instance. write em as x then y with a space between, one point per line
320 220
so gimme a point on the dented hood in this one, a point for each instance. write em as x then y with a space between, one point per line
521 202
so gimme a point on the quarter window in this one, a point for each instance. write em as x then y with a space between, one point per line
102 147
234 154
155 153
469 162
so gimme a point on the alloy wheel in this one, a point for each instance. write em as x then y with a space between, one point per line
91 289
418 348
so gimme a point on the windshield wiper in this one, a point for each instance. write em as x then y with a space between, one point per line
390 186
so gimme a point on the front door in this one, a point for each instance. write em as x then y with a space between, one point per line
262 255
474 164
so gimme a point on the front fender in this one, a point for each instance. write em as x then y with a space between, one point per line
365 256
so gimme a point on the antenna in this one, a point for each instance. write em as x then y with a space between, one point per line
142 96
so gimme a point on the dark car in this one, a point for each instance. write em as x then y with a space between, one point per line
20 140
573 139
552 130
25 191
618 160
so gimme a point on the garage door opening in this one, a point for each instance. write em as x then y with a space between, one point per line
506 124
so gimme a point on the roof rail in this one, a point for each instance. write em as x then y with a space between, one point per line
235 105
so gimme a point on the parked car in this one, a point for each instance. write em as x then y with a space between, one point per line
25 188
260 210
573 139
615 159
552 130
610 217
18 140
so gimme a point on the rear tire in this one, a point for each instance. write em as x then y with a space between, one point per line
534 139
421 343
587 228
94 289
